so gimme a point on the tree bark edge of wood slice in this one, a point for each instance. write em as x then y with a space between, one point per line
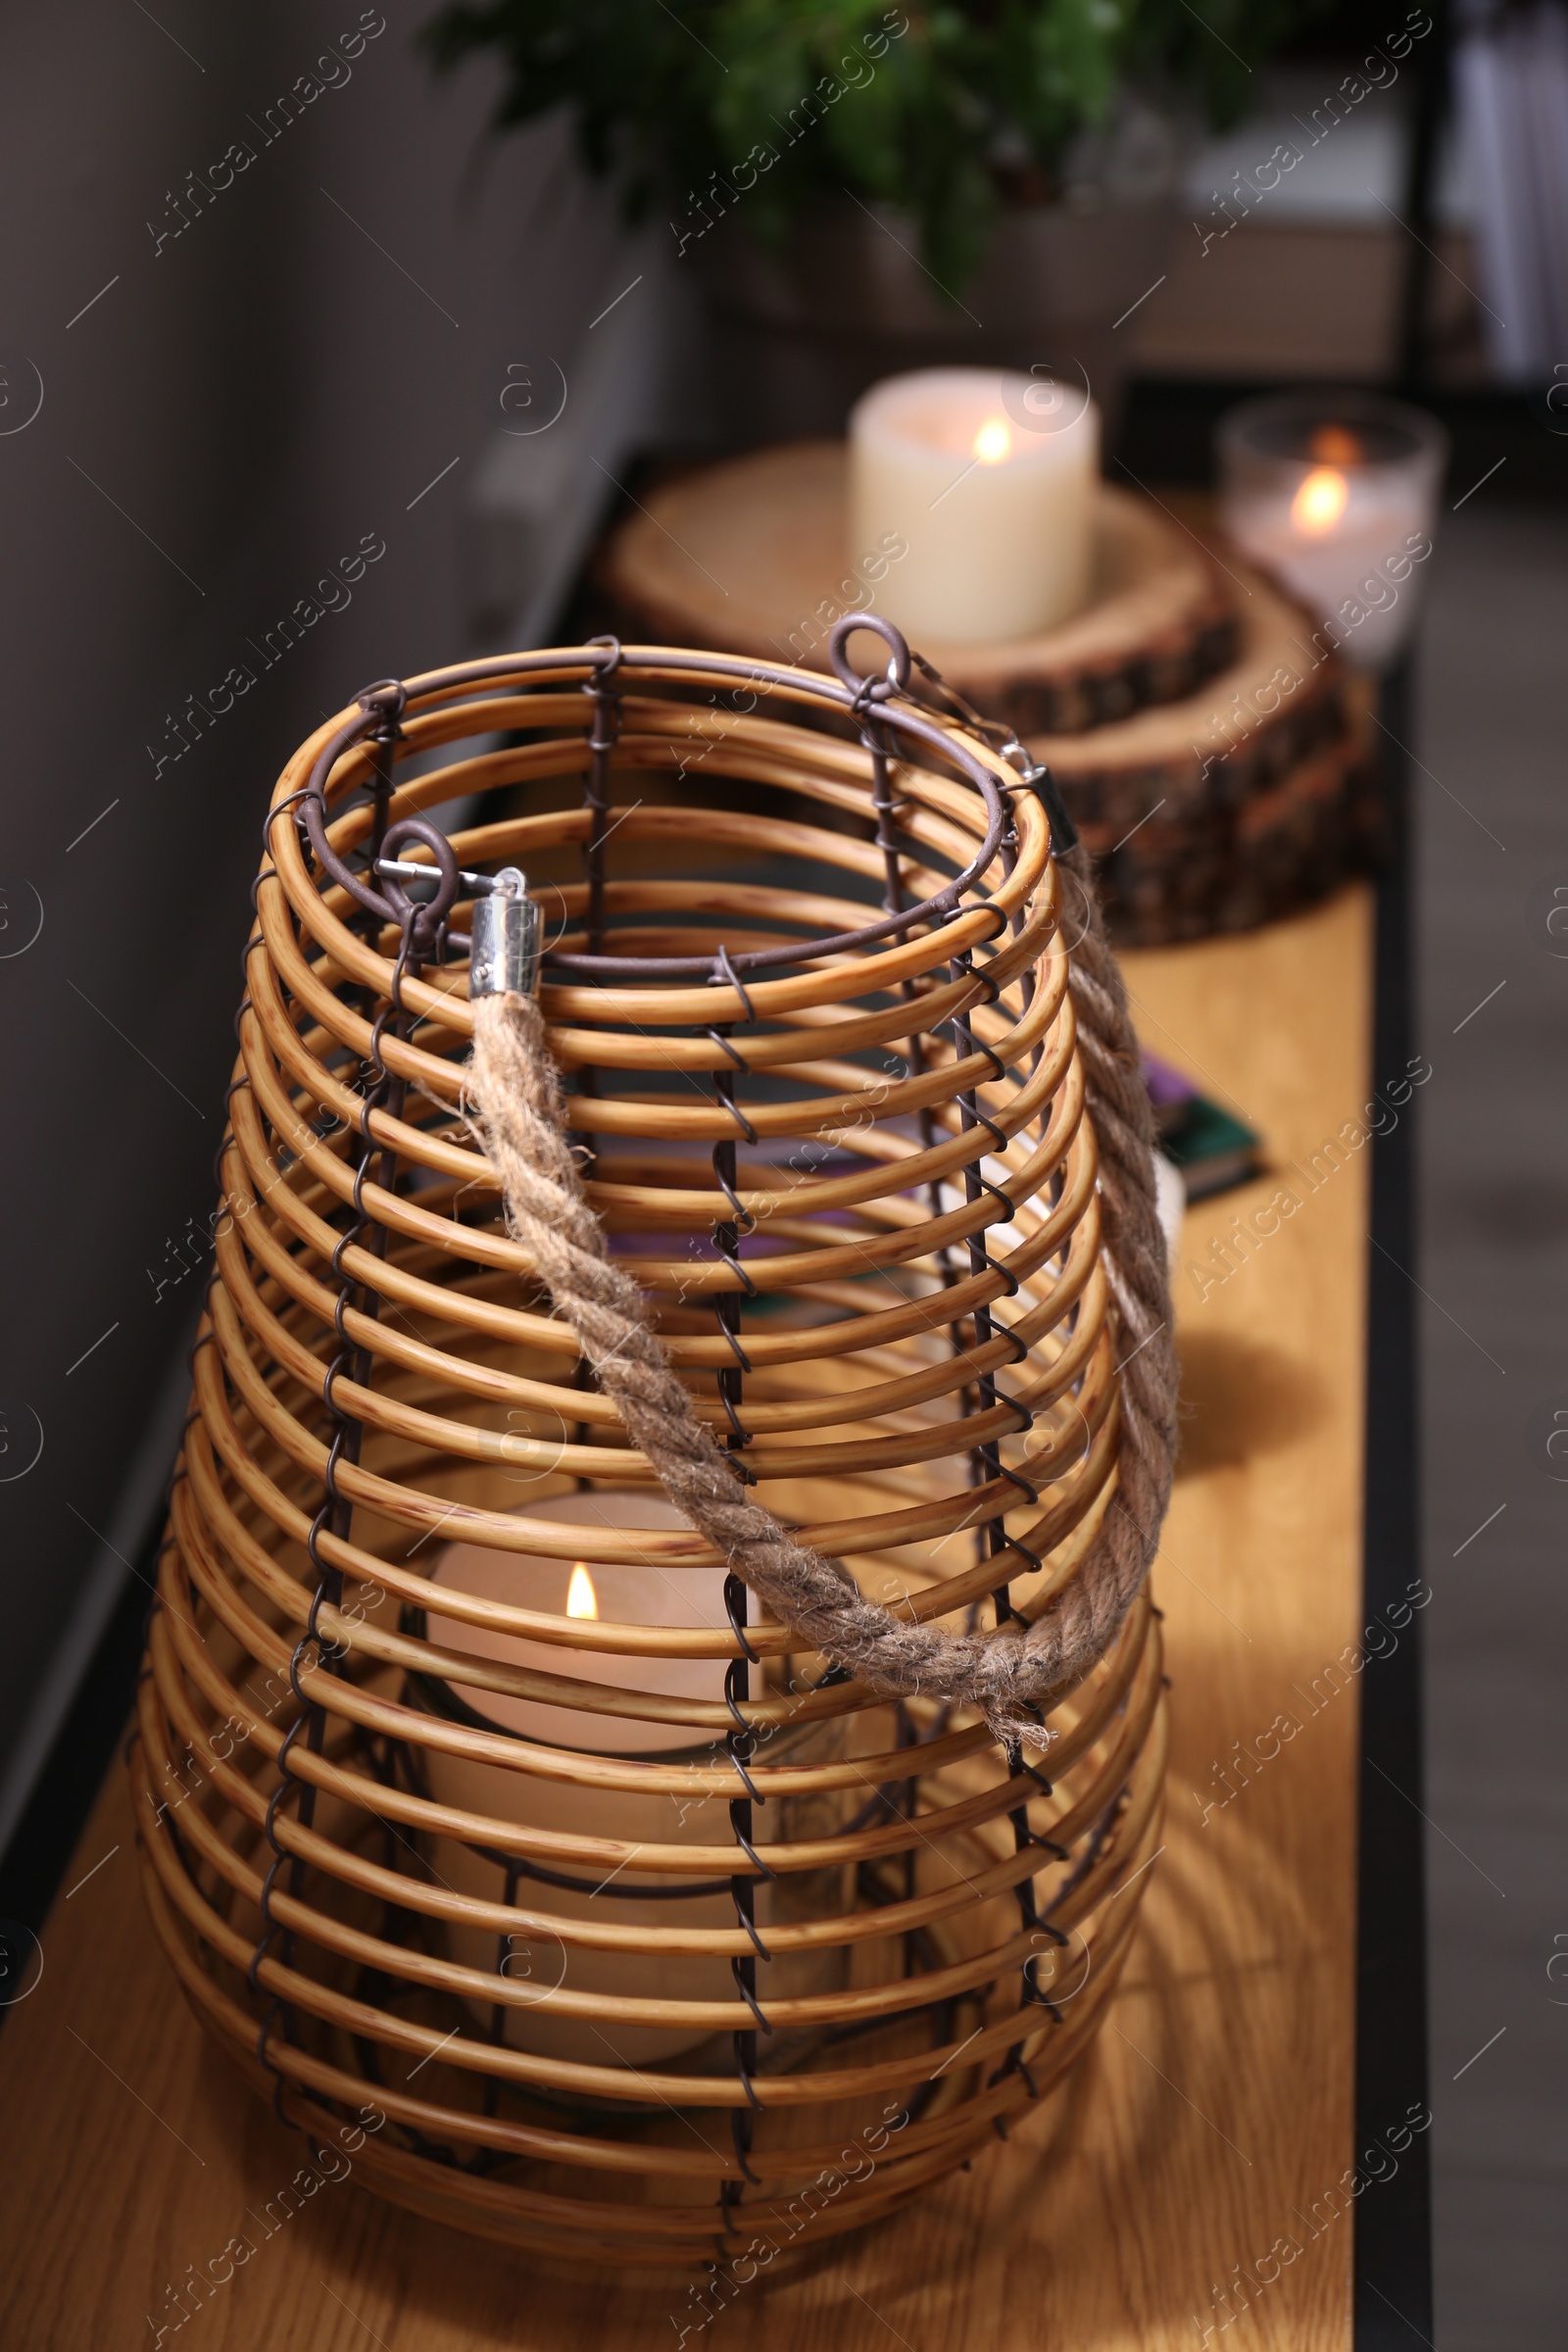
1318 825
1275 702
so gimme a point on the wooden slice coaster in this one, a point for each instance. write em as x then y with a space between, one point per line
1230 870
751 557
1252 796
1279 699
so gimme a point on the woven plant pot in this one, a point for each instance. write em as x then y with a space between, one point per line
624 1990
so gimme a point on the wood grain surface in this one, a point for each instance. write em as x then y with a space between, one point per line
752 555
1213 2120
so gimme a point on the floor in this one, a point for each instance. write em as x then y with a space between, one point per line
1492 998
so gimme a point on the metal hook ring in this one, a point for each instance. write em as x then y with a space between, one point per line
420 920
873 688
385 699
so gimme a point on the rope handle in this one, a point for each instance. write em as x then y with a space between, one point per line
1011 1675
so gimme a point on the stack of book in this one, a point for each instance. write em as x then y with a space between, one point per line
1212 1150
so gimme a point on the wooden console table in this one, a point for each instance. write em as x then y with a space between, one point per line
1214 2119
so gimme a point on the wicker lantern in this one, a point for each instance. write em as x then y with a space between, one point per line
481 1808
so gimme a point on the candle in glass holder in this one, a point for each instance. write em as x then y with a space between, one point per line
988 478
651 1592
1337 499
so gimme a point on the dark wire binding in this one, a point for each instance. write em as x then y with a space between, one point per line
740 1741
988 1468
336 1512
1039 778
603 735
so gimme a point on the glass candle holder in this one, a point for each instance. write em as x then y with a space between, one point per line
1336 494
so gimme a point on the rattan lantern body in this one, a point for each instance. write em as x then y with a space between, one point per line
738 1922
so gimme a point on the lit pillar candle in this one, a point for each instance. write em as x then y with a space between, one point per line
652 1594
989 479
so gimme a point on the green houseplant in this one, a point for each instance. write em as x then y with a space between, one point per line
854 173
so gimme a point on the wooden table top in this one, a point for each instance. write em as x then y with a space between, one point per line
1205 2134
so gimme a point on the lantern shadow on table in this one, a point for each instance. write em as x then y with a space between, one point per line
1240 1397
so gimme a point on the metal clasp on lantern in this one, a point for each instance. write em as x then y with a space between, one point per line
508 939
429 877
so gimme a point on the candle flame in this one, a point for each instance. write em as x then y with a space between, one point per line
993 442
1336 445
1320 500
581 1598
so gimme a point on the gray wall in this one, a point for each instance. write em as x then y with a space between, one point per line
249 399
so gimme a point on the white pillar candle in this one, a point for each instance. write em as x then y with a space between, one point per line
652 1593
989 478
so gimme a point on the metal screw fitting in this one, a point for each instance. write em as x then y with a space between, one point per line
508 939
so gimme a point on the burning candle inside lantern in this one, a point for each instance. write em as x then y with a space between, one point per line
653 1590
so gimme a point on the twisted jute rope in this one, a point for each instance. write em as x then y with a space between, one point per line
514 1095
